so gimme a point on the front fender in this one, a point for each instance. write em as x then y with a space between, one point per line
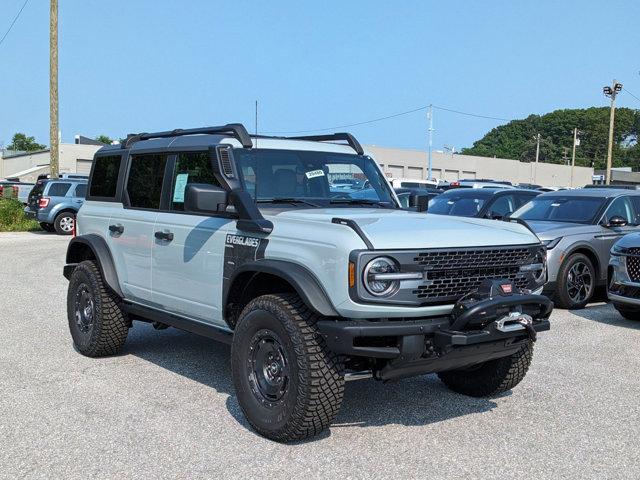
300 278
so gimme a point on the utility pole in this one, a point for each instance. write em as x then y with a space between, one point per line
53 89
576 142
430 117
612 93
535 175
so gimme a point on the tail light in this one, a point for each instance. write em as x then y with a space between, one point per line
1 190
454 184
75 227
44 202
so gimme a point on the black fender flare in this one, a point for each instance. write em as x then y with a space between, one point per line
102 254
301 279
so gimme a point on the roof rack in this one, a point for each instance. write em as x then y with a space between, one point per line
350 139
235 129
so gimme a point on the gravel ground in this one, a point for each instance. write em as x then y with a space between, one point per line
165 407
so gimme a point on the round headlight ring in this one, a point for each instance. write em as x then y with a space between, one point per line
380 288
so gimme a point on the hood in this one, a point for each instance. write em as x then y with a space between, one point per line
400 229
550 230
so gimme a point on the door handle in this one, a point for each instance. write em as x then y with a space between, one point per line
166 235
119 229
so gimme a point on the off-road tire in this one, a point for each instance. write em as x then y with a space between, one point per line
110 325
562 298
47 227
628 313
315 380
59 221
492 377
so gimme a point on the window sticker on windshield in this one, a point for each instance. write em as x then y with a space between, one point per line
315 173
181 184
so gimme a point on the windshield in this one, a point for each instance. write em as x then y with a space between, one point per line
316 179
561 209
459 205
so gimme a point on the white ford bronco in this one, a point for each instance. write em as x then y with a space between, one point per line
297 252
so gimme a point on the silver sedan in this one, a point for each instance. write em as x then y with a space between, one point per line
579 228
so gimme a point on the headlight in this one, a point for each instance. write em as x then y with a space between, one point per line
551 243
374 277
618 250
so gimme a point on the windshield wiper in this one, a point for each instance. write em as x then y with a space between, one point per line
291 200
358 201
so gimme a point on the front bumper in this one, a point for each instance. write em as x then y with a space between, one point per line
621 288
418 346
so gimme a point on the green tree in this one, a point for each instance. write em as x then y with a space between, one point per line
104 139
24 144
516 139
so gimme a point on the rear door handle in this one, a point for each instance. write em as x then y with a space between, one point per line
166 235
119 229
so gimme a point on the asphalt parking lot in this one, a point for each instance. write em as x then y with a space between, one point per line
165 407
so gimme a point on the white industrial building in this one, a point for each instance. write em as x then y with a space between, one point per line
396 162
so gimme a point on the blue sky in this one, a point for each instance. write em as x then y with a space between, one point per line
143 65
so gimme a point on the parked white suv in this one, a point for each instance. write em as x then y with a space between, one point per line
243 239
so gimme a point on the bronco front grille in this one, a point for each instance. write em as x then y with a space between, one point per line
633 268
450 274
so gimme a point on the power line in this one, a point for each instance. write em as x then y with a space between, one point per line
417 109
472 114
631 94
14 21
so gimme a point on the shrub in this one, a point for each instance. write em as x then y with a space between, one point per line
12 217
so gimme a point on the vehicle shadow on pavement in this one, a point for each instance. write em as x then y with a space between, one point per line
606 314
416 401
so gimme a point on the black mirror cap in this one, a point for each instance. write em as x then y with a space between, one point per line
205 198
419 201
617 221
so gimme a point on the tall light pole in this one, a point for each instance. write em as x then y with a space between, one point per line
612 93
53 89
430 117
576 142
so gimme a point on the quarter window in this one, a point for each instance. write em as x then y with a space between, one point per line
190 168
58 189
81 190
144 185
104 178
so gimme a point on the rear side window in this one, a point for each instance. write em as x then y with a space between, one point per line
81 190
58 189
190 168
104 178
144 186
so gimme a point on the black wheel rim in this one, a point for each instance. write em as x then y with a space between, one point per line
579 282
84 308
268 368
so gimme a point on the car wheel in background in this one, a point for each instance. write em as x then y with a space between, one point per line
64 223
47 227
627 312
576 282
490 378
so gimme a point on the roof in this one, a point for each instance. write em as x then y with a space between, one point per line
591 192
484 192
194 142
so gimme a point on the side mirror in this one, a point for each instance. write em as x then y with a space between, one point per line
616 221
494 216
205 198
419 202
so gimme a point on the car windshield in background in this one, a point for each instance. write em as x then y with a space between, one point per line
312 178
458 205
561 209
